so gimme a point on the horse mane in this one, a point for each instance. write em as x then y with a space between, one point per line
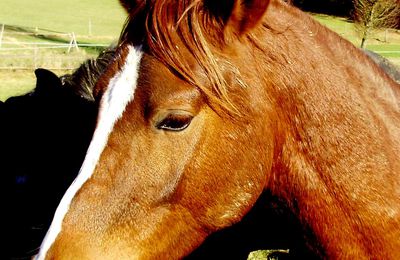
84 78
191 36
172 31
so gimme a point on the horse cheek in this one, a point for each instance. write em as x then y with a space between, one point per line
246 171
228 178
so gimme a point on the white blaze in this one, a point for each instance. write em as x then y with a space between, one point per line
119 93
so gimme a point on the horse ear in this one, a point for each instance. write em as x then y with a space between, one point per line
129 5
46 81
126 4
239 16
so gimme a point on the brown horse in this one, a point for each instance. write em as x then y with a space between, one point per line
210 104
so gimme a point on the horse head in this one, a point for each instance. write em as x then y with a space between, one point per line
206 105
177 152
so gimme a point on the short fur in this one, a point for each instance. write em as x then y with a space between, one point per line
278 105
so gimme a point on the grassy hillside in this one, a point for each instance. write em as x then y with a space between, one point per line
106 16
93 21
385 42
15 83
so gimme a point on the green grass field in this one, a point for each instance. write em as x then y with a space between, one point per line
106 16
15 83
386 43
93 21
106 19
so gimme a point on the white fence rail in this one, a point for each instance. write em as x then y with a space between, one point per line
62 52
51 56
47 45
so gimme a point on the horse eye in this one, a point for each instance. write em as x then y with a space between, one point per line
175 122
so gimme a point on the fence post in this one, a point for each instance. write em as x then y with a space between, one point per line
72 42
1 34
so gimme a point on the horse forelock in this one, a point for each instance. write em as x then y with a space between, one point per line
186 38
82 81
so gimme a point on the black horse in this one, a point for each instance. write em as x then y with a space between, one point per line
45 135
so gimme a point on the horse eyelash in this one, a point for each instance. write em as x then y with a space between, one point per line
167 123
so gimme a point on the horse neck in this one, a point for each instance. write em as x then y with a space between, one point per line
338 124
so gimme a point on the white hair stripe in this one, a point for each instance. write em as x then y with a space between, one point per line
120 91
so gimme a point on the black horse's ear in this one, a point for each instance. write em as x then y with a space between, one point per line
126 4
46 81
130 5
238 16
